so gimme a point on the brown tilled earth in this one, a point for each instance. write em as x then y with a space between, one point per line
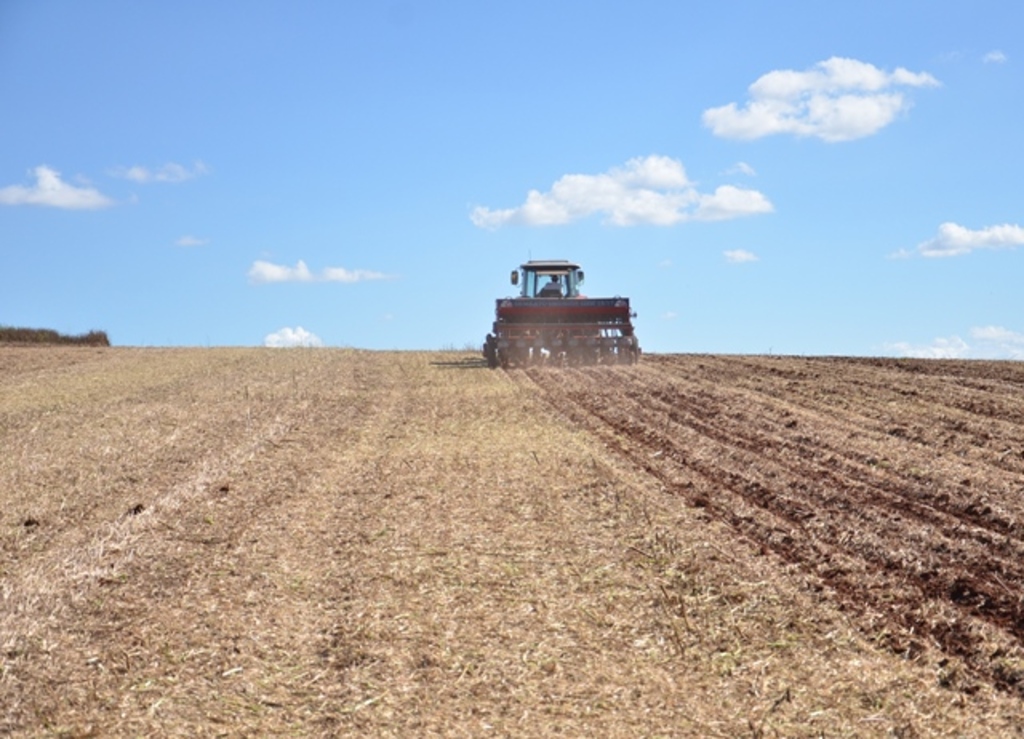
250 542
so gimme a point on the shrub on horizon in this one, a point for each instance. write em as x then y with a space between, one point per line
12 335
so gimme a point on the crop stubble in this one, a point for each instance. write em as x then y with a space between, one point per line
336 542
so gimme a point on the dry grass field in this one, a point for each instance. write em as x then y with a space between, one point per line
254 542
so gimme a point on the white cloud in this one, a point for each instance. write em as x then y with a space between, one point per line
262 272
952 347
288 337
265 272
170 172
996 342
837 100
987 342
731 202
999 335
953 239
739 256
670 315
191 241
50 190
994 57
652 191
340 274
741 168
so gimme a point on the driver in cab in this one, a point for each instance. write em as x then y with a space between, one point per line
551 290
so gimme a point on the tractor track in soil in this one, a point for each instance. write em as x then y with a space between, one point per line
896 484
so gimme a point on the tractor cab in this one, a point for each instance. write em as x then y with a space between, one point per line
548 279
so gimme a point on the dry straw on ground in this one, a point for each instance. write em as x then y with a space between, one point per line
328 542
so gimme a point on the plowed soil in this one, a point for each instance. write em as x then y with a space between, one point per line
247 542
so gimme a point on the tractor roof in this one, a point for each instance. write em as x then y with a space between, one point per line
542 265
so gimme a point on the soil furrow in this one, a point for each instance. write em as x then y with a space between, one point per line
913 554
889 405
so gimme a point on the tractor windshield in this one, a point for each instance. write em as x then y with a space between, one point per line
550 283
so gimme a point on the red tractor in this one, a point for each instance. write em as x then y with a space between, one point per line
552 323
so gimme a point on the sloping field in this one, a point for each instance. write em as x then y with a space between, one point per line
331 542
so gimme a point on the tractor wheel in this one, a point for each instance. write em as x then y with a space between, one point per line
491 351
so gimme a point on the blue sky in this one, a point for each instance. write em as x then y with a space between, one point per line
793 177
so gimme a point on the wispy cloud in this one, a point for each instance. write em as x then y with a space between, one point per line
836 100
952 347
191 241
289 337
1000 341
170 172
739 256
995 57
741 168
266 272
646 191
986 342
51 191
953 240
